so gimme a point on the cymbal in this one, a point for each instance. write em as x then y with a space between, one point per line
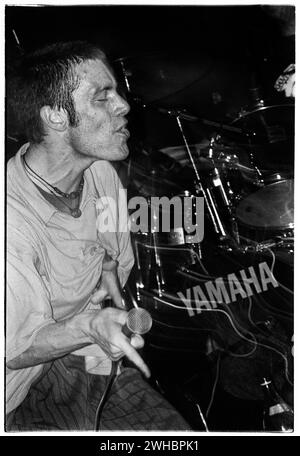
268 124
274 109
154 76
270 131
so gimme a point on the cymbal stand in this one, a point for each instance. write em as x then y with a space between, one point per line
125 74
259 176
219 188
159 273
219 228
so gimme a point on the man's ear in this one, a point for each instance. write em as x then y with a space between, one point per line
56 119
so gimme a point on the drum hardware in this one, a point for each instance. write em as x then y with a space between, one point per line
205 192
182 235
152 263
259 177
156 245
227 233
262 246
257 100
222 198
152 248
158 266
125 73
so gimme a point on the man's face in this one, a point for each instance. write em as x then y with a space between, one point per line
100 133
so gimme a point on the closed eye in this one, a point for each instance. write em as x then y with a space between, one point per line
102 96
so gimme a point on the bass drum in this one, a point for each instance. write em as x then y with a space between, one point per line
249 334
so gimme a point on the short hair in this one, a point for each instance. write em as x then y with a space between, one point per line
46 77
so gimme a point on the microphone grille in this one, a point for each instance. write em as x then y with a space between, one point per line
139 321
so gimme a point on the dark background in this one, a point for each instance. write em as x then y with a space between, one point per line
175 56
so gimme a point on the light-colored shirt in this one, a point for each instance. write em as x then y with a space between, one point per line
54 261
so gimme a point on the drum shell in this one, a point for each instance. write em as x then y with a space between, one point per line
269 209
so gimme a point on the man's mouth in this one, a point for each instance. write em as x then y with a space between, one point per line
123 131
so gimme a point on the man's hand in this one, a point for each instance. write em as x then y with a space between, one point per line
109 285
105 329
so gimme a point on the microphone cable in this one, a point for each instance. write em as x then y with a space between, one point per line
139 321
110 381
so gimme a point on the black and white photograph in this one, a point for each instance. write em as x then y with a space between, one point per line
149 219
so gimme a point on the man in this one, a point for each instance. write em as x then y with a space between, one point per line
59 340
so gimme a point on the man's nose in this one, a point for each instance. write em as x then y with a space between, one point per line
121 107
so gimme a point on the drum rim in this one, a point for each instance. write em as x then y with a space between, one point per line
291 226
262 108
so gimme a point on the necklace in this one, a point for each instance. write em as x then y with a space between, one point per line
71 195
74 211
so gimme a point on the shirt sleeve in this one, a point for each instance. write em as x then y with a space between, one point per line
28 309
28 306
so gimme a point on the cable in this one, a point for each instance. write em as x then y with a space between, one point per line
214 386
254 341
191 399
187 328
232 319
249 312
274 260
238 332
209 310
202 417
281 285
102 402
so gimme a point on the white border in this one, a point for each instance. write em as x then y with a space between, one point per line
101 435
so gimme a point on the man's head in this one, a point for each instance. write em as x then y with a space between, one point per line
69 90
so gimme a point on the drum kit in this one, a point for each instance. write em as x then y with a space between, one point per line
246 183
241 168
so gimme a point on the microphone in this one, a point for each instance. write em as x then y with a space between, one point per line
139 321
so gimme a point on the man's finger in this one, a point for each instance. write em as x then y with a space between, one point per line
98 296
133 356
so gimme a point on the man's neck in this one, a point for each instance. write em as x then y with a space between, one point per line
57 164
